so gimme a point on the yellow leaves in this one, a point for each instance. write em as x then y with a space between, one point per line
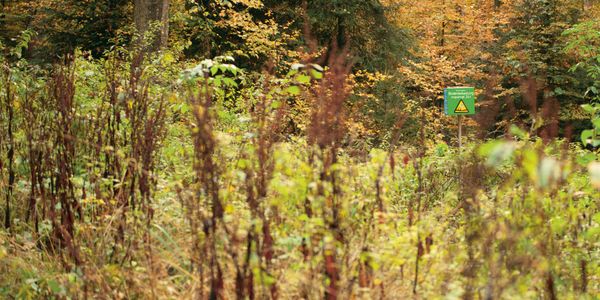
16 104
92 201
452 34
364 79
229 209
3 250
263 38
250 3
168 59
174 98
357 129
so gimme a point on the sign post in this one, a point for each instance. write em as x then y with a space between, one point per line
459 101
459 132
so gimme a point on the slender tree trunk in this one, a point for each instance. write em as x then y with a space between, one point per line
164 19
443 34
11 153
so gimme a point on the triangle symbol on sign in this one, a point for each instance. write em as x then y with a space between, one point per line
461 107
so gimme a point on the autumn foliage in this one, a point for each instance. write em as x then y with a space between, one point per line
262 149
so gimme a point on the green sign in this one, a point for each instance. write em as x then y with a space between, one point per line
459 101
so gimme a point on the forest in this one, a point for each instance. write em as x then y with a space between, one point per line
300 149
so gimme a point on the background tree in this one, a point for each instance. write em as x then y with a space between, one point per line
363 27
63 25
149 12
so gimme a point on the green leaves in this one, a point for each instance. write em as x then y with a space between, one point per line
589 108
549 172
497 152
441 149
293 90
592 136
305 73
541 170
303 79
518 132
558 225
581 39
586 158
210 68
55 287
22 42
316 74
586 136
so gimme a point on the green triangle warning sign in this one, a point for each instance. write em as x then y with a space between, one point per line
461 108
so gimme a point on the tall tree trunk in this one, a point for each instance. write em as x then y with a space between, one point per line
11 152
149 11
141 15
164 19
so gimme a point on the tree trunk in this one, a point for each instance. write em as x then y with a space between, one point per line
141 15
147 12
11 152
164 19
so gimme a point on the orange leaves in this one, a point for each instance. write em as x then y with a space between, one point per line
452 34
